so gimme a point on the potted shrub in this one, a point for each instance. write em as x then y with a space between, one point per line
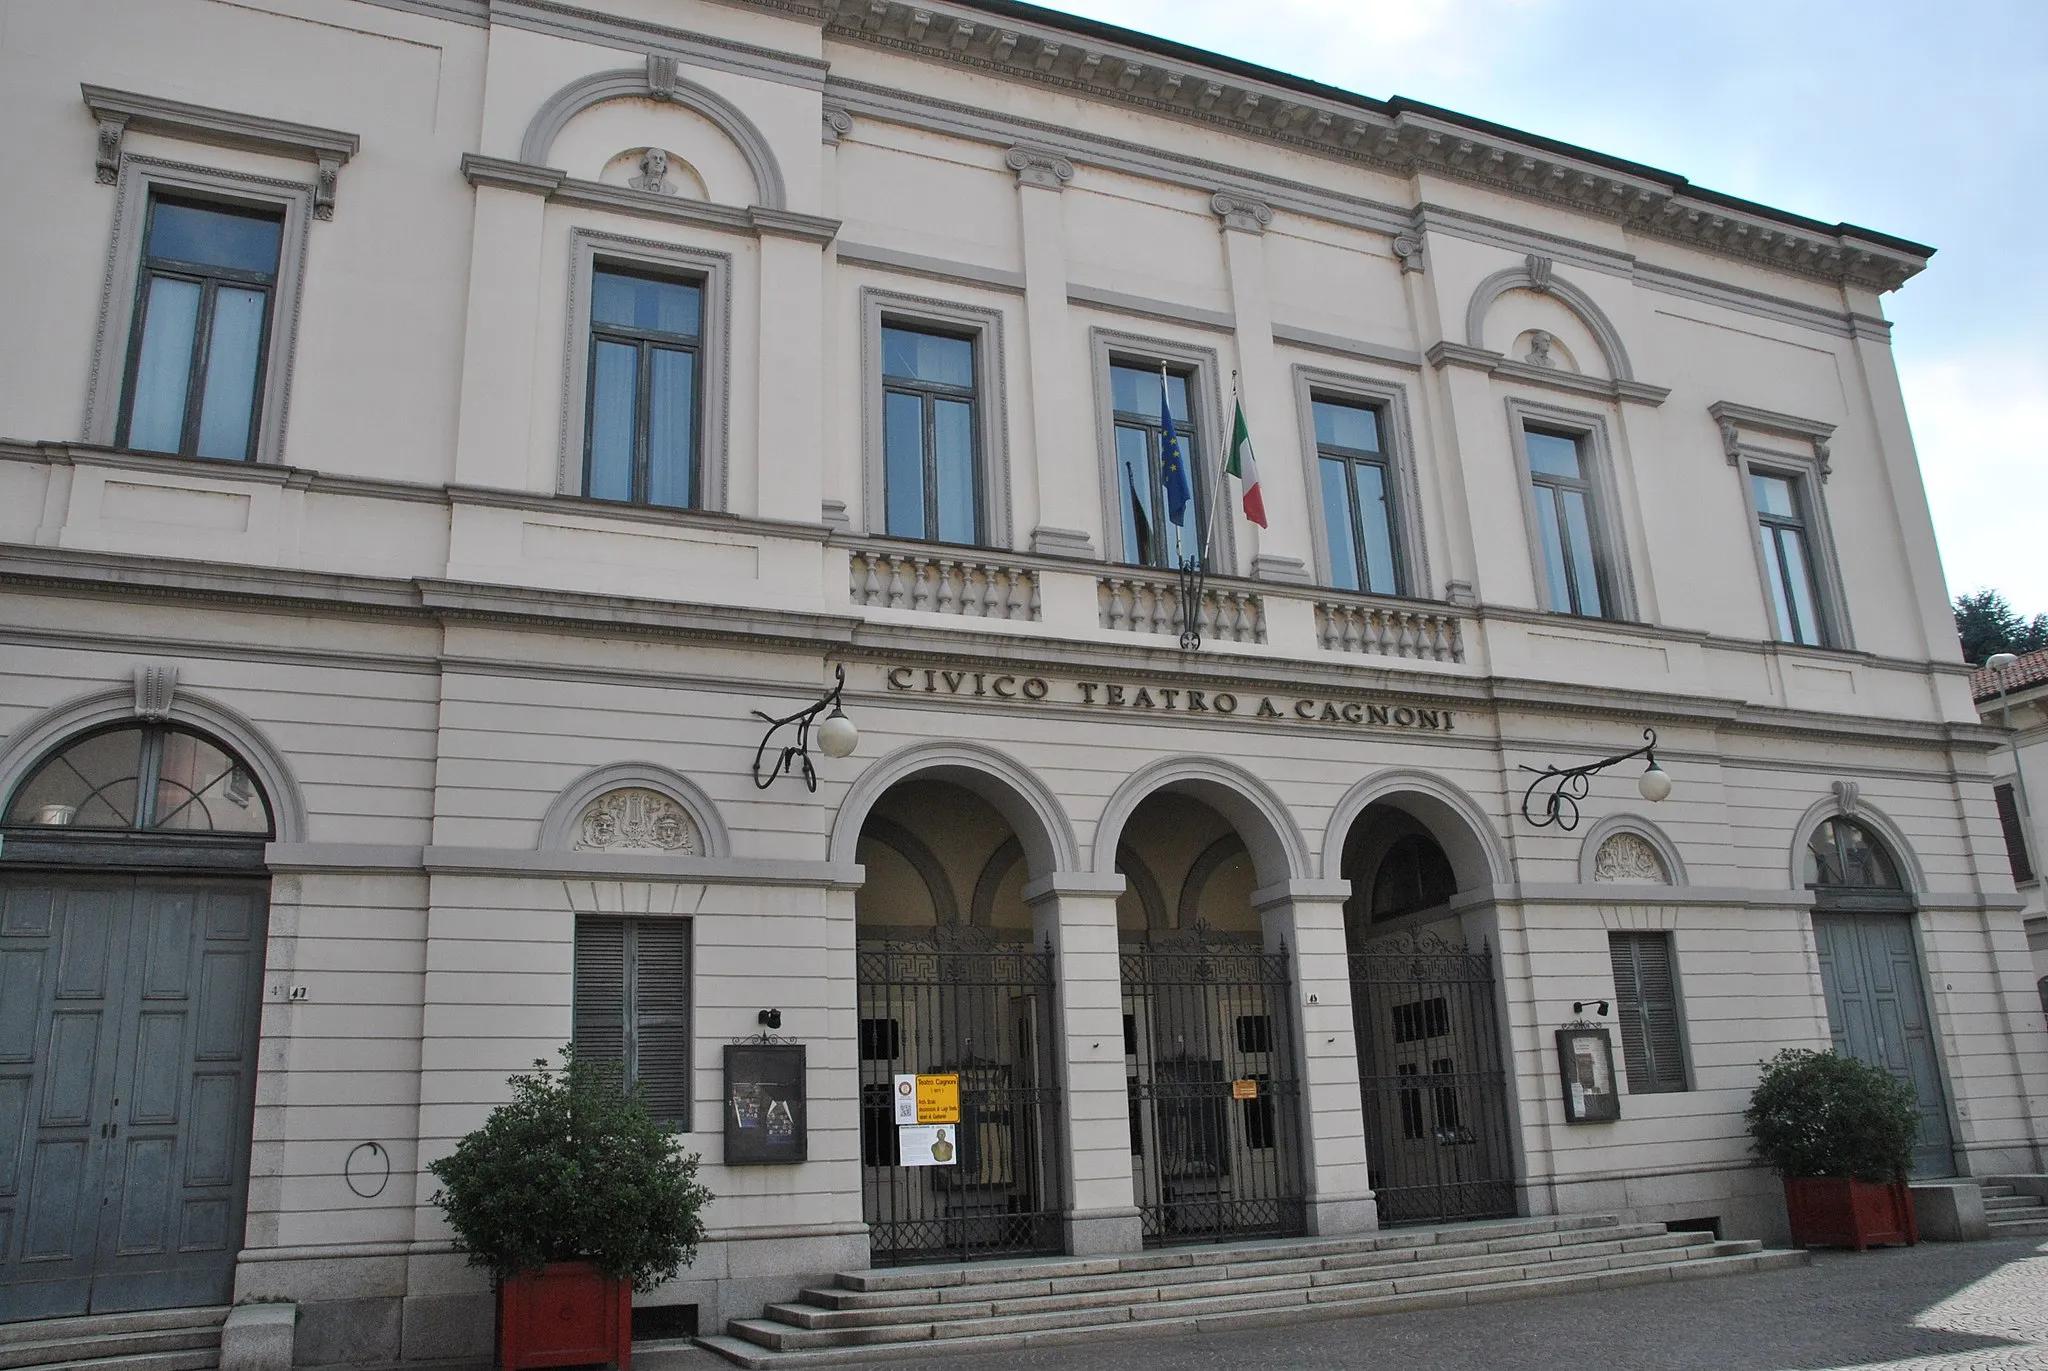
1840 1132
573 1198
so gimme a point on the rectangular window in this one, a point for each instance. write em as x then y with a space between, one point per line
1788 561
640 431
1144 465
1358 497
202 326
2015 833
1567 527
931 466
632 1006
1646 997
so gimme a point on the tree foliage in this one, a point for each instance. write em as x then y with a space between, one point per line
1817 1114
573 1168
1987 623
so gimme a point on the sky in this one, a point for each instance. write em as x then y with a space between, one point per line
1924 121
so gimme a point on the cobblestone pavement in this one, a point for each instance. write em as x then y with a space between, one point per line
1937 1307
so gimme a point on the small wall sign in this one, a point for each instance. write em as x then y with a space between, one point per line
1244 1090
764 1104
938 1098
1585 1059
928 1144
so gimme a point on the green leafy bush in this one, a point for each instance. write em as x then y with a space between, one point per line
574 1169
1816 1114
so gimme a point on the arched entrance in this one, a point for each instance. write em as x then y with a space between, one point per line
953 983
1431 1072
1210 1056
1870 973
133 913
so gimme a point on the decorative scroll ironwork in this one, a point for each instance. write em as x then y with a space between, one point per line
800 750
967 1001
1210 1063
1432 1080
1570 785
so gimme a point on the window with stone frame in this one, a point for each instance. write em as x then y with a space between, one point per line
641 423
1646 1005
1570 533
632 1006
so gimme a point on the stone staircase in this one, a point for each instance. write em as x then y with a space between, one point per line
961 1309
156 1340
2015 1206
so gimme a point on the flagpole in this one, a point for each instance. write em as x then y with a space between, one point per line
1216 504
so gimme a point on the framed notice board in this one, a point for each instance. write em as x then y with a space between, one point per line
764 1104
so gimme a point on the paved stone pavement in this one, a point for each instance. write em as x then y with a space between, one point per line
1937 1307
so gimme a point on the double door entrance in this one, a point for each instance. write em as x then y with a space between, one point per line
1877 1012
128 1027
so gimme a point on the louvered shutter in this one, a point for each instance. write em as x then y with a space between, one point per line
1646 996
661 1017
2015 833
633 1006
600 1014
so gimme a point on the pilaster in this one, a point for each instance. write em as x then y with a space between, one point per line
789 457
1077 914
1307 917
1052 488
1282 551
495 423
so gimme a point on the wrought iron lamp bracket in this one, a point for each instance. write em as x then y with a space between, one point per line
800 749
1569 785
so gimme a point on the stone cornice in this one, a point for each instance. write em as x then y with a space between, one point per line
560 187
1449 354
120 110
1408 138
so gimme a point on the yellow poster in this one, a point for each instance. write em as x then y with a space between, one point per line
938 1099
1244 1090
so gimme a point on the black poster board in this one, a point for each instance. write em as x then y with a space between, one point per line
764 1104
1585 1059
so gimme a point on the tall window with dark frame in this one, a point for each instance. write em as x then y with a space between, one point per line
931 464
640 433
1646 999
1567 528
632 1007
1140 434
1788 559
2015 833
202 327
1358 497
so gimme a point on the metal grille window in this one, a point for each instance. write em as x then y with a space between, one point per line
2015 833
1140 430
202 326
1358 498
640 431
1788 561
632 1006
1646 994
1567 524
931 468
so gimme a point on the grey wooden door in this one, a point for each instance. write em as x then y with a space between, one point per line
1877 1012
128 1024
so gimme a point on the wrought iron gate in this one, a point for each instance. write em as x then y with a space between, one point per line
1432 1081
1215 1097
962 1002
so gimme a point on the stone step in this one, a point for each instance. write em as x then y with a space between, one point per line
94 1325
2020 1228
198 1359
1255 1264
19 1356
1063 1268
1186 1318
783 1328
840 1309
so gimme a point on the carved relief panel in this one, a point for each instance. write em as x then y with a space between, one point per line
1629 858
636 820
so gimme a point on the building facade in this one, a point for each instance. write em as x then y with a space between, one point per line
438 431
2017 699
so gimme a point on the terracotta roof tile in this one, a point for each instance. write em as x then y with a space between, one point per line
2031 669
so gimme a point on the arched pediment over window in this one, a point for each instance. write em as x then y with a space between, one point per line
634 808
1537 275
659 82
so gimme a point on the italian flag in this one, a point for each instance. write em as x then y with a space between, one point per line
1245 467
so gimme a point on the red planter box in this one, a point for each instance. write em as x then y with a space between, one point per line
1827 1212
565 1314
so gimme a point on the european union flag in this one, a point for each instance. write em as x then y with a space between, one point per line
1173 471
